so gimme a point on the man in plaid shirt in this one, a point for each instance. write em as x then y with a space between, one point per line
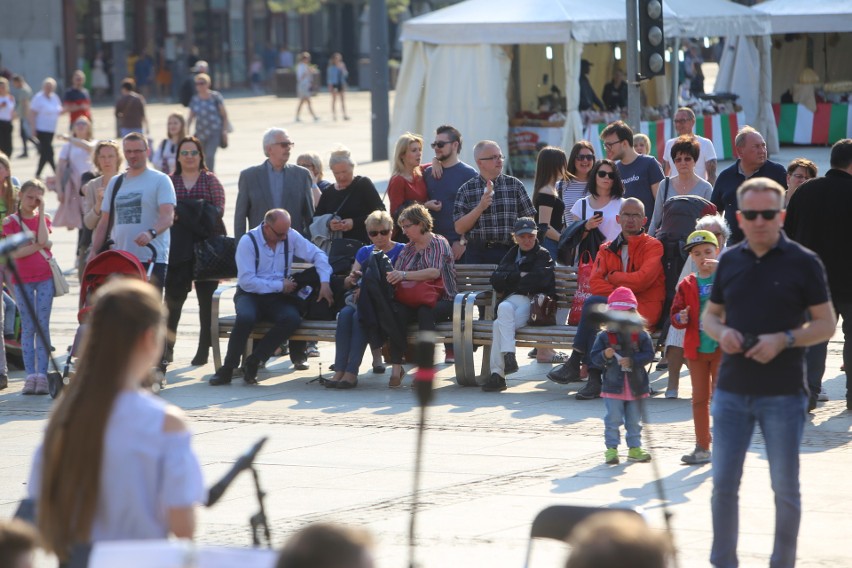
487 207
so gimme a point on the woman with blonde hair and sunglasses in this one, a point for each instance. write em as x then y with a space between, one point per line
126 470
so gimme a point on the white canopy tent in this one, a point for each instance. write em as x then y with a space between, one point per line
815 16
456 61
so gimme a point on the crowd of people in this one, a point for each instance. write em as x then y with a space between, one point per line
377 270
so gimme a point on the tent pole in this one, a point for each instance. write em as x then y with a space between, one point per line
675 69
633 104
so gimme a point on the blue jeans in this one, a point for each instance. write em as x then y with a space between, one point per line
624 412
277 309
781 420
816 354
552 247
586 332
350 341
35 352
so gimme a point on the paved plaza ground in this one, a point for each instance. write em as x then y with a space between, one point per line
491 462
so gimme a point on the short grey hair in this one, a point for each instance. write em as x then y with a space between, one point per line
269 137
707 222
341 155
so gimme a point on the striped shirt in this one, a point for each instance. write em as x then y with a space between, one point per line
572 191
510 202
437 254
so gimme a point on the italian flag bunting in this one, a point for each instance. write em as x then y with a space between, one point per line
799 125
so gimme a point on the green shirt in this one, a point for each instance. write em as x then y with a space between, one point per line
705 286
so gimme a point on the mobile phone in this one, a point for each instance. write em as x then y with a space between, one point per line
749 341
598 214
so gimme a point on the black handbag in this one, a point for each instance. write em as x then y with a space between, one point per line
341 254
215 259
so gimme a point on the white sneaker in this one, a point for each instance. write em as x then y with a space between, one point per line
822 396
671 393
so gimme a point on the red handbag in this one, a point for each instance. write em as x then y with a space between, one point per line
584 289
414 294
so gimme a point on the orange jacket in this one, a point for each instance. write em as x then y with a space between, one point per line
644 275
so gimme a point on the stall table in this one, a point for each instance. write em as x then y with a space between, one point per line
797 124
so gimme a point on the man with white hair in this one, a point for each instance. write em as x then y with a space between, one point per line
274 184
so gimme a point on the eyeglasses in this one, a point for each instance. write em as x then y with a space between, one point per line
610 145
768 214
799 176
287 144
680 159
681 120
631 215
602 174
585 157
276 233
406 227
383 232
439 144
189 153
499 157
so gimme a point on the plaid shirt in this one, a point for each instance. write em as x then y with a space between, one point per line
208 187
509 203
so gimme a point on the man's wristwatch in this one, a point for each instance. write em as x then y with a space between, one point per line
153 232
791 340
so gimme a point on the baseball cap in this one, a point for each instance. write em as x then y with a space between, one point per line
696 238
525 226
622 299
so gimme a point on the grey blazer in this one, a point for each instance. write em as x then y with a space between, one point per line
254 198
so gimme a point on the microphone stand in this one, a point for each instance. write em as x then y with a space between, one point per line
423 382
258 520
55 385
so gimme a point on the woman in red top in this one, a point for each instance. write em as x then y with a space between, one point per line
406 185
200 205
36 282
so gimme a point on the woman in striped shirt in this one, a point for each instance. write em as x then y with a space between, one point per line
580 163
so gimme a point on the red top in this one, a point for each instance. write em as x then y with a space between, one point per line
401 190
33 267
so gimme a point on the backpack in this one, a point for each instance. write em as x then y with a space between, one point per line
679 216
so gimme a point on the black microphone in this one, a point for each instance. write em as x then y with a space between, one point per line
600 314
14 242
424 356
241 464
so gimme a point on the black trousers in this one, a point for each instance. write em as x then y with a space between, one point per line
6 137
178 284
45 151
426 319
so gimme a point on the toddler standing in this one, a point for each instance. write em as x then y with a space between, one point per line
625 380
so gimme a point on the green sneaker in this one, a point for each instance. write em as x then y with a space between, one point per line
638 455
611 456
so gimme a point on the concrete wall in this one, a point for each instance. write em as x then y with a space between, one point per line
31 39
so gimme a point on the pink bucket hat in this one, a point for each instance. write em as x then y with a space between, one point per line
622 299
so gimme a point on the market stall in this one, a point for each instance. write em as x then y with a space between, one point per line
812 79
457 61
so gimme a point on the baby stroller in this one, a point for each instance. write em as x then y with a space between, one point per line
101 268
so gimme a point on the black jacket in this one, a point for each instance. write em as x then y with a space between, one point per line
538 266
572 244
376 309
196 220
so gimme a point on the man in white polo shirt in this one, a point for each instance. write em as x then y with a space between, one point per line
705 165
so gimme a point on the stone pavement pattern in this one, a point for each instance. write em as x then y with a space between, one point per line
491 462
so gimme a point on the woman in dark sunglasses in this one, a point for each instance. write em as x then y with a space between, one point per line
580 163
350 338
600 207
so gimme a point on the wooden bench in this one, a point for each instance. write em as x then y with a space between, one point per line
470 279
478 332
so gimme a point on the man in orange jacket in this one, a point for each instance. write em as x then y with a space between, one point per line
633 260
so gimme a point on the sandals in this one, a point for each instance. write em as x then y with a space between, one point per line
396 382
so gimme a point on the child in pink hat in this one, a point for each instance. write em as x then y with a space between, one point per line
625 380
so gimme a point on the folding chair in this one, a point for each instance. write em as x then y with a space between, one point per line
558 521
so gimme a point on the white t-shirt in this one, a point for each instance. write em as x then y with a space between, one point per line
7 107
47 111
137 208
707 152
610 227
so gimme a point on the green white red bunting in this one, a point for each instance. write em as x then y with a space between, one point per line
799 125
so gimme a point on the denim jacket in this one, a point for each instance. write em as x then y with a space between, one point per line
613 376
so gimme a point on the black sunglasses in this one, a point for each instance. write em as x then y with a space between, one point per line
383 232
768 214
602 174
585 157
439 144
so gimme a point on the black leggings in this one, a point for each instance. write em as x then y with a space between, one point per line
45 151
6 137
426 320
177 289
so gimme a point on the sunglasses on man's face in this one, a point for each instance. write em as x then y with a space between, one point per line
768 214
383 232
602 174
439 144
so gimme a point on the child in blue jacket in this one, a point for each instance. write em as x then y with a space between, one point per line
625 380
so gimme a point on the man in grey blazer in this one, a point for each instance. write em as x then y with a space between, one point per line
274 184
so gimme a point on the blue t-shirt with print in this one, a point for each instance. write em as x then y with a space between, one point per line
638 177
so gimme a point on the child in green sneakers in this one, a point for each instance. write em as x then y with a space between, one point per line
701 351
625 380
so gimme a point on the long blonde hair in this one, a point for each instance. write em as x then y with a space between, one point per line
123 312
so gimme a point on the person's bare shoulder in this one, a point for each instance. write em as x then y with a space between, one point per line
175 420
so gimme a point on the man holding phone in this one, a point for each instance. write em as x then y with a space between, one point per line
487 207
769 301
